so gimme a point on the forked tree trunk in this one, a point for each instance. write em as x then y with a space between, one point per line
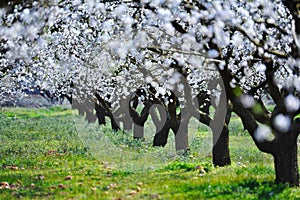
286 162
139 123
162 127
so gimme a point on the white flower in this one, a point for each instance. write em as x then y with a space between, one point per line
262 133
282 123
261 68
213 53
291 103
247 101
149 79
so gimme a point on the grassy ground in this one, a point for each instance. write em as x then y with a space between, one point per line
54 154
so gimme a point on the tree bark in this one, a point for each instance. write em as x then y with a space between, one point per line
162 125
286 162
180 128
221 154
161 137
127 125
182 136
138 131
114 124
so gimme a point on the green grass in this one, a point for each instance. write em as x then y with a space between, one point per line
40 148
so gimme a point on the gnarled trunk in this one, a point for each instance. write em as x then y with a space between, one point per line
286 162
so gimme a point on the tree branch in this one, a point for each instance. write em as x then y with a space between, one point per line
161 51
247 118
273 88
260 44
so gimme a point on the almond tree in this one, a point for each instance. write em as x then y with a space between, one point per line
253 44
271 67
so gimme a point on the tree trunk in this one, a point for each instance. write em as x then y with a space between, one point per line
286 162
182 136
100 114
114 124
162 124
221 154
138 131
161 137
127 124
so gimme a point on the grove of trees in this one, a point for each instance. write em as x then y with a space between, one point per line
171 60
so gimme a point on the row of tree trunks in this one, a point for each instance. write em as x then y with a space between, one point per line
164 117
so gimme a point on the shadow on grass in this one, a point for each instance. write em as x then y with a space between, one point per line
248 189
263 190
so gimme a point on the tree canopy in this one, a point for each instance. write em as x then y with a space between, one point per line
159 50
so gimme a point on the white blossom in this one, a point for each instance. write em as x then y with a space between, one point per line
292 103
282 123
262 133
213 53
248 101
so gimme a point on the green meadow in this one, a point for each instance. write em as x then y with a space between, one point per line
52 153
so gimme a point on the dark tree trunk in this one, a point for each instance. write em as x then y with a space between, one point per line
114 124
161 137
221 154
123 115
161 123
100 114
101 119
286 162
